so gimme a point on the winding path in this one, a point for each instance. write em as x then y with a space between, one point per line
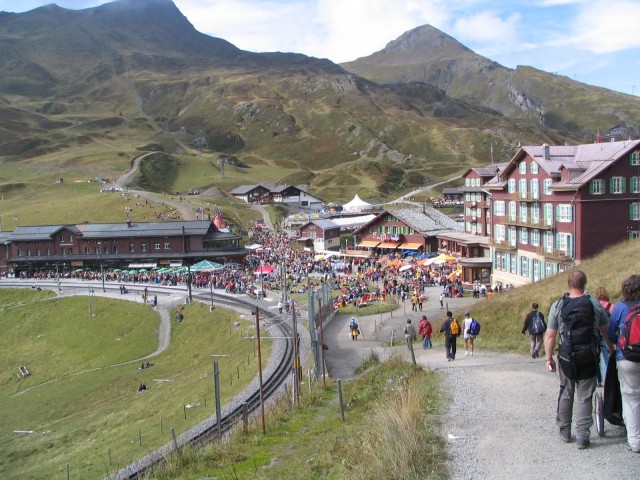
187 212
164 339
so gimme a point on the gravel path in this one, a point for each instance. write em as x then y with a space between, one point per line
500 422
501 425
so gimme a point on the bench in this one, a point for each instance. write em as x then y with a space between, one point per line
24 371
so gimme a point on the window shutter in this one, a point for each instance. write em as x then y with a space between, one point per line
623 185
591 187
557 213
611 184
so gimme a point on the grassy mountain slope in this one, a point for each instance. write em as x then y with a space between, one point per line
128 74
427 55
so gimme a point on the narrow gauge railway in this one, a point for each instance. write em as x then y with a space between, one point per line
275 374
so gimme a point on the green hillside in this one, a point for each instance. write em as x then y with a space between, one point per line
83 92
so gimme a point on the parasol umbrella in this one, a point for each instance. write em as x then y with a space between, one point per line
206 266
395 263
264 269
404 268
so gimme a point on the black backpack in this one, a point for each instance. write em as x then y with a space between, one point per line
579 350
537 326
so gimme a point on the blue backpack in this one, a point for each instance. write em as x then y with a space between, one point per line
474 328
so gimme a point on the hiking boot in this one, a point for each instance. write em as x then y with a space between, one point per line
582 443
565 434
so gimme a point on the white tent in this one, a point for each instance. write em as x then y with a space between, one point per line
357 205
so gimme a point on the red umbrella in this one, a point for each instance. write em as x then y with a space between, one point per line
264 269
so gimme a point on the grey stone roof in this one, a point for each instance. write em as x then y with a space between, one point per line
169 229
325 224
489 170
243 189
270 186
585 161
119 230
429 221
34 232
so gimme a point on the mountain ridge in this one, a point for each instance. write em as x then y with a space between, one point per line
135 74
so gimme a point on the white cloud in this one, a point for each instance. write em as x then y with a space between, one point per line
603 27
340 30
487 27
564 36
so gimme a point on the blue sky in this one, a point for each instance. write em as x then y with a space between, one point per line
592 41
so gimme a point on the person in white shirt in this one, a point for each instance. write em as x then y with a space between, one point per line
467 337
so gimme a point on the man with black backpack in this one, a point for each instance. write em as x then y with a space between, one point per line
535 325
451 329
578 317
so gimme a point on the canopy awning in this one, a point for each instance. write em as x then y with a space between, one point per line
206 266
143 265
369 243
389 245
410 246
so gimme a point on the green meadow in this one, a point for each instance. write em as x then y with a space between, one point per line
80 405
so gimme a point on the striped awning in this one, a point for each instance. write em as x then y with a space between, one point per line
142 265
369 243
410 246
389 245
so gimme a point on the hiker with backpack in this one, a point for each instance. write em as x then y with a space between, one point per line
409 334
603 297
578 317
425 329
624 332
354 328
451 330
471 329
534 324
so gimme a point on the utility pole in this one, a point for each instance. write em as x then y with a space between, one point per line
101 267
264 428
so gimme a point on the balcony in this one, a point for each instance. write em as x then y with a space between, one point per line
502 244
526 196
554 253
537 223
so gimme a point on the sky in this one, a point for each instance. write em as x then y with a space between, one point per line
591 41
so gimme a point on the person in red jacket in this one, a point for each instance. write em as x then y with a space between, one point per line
425 329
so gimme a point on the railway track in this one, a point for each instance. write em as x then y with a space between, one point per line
275 375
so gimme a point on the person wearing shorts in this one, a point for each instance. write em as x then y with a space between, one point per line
467 337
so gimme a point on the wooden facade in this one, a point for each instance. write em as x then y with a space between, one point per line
553 206
47 247
320 234
405 229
